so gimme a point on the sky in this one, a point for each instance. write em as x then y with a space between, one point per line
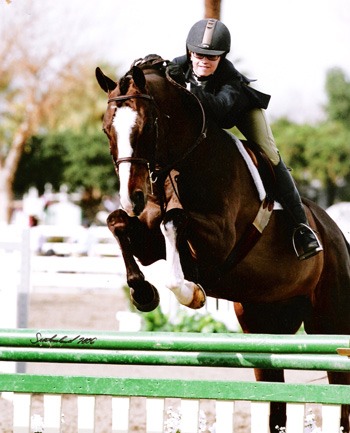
288 46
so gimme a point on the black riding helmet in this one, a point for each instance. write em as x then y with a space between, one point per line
210 37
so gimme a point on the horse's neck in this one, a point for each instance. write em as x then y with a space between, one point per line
214 164
182 128
217 168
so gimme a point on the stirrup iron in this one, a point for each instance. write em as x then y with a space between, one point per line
300 252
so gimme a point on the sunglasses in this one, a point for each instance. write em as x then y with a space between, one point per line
207 56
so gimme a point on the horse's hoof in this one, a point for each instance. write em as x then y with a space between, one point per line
199 297
144 303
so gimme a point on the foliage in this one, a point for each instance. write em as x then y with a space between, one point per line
338 91
318 149
198 322
78 159
317 154
46 86
327 152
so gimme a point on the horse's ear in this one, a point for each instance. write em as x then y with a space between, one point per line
106 83
139 77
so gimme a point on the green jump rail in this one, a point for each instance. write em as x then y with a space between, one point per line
158 341
316 352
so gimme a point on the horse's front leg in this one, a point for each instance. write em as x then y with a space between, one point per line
187 292
131 235
273 318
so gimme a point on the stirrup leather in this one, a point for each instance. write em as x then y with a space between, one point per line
299 250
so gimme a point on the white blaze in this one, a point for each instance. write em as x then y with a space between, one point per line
123 122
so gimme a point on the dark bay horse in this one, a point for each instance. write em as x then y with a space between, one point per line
187 196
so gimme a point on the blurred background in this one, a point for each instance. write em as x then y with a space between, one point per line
60 266
52 147
56 176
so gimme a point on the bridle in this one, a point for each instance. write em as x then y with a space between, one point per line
159 173
131 159
127 97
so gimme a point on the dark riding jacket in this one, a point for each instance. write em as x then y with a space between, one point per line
226 95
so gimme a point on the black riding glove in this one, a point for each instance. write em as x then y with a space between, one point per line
176 73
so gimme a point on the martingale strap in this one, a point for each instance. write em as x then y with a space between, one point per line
249 238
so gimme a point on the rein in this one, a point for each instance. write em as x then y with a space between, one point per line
202 135
251 236
155 175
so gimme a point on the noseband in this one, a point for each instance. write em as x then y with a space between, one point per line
127 97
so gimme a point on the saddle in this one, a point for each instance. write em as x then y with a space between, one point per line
264 167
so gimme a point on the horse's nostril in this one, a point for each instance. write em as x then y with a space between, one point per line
138 196
138 200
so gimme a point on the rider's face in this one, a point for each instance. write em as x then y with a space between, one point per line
202 66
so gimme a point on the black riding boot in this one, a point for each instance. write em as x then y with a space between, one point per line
305 241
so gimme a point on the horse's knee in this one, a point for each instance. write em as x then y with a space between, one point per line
117 221
135 235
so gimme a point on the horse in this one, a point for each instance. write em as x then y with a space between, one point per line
188 197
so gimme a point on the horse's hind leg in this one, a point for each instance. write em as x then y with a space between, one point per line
342 379
134 238
276 318
278 409
329 321
331 303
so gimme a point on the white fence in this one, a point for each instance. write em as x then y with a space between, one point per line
15 276
65 259
101 414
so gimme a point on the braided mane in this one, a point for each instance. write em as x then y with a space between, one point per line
151 61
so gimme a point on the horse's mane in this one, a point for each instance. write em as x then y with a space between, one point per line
157 64
151 61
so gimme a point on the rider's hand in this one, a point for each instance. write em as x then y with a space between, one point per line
176 73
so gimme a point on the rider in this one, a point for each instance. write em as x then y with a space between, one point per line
227 97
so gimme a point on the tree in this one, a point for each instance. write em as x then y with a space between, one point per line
338 92
36 88
318 154
78 159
